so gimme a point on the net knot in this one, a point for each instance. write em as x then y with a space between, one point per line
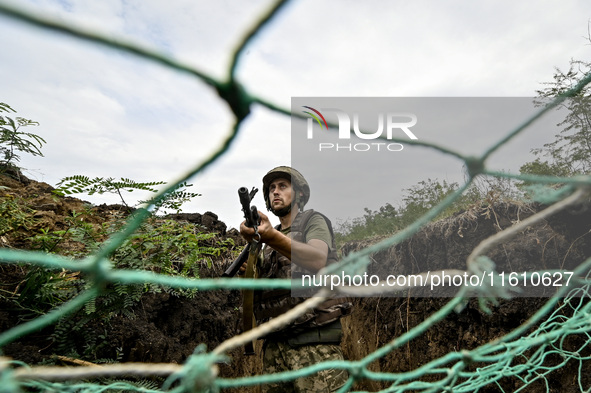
199 372
234 94
474 166
7 382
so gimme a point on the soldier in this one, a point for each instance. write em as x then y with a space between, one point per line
307 236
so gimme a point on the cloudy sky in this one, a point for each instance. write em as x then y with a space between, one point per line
107 113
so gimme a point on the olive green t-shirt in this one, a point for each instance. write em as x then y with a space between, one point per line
316 228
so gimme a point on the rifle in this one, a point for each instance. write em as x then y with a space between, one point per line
251 215
252 218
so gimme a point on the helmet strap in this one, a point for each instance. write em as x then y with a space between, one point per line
298 199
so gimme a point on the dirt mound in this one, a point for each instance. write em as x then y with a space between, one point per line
165 327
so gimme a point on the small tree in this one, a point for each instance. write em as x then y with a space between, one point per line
13 140
417 200
570 153
424 196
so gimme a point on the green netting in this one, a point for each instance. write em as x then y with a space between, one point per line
521 354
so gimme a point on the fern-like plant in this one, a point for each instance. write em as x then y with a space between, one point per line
80 184
174 199
13 140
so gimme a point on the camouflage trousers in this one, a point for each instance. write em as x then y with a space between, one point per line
280 356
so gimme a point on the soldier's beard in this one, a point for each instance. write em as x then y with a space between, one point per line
282 212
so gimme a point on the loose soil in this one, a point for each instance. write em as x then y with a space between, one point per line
167 328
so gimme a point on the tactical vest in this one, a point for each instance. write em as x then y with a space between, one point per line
272 303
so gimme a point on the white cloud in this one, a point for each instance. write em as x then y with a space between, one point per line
107 113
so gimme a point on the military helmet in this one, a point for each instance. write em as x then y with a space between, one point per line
298 183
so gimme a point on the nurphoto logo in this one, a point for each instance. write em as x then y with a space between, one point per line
315 118
389 125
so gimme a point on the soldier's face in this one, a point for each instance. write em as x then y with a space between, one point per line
280 193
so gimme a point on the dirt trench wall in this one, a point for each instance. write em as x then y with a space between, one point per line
562 242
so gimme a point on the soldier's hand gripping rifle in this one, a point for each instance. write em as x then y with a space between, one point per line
251 215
